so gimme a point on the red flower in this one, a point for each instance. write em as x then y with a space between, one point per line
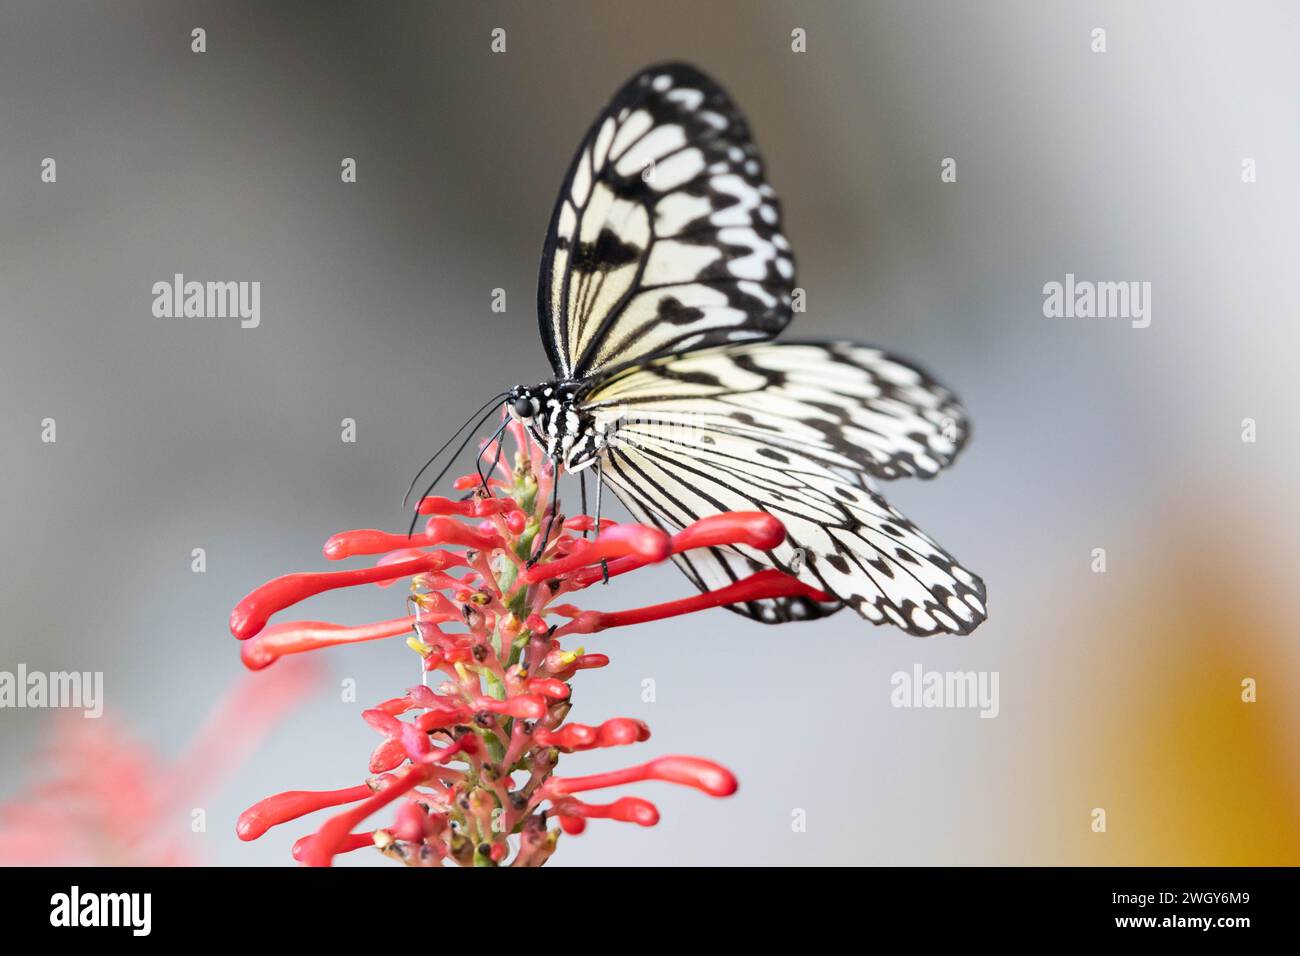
469 756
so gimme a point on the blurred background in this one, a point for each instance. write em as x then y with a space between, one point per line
1119 690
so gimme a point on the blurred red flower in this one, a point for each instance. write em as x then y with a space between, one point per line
101 797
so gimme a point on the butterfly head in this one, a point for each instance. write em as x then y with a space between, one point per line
522 403
529 402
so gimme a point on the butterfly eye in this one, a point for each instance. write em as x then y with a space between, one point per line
523 407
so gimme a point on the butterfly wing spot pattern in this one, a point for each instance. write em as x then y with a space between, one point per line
665 275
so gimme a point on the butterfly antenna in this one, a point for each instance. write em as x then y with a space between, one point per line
446 444
600 483
496 458
445 468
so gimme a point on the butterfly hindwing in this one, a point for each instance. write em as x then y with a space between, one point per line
711 569
666 236
797 431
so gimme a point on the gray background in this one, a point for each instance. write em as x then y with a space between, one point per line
1117 690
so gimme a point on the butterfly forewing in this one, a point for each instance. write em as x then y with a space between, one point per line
666 236
849 406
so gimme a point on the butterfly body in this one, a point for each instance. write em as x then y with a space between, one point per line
665 277
554 415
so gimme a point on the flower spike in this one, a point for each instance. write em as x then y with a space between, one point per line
469 755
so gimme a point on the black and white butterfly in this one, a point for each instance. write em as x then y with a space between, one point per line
665 275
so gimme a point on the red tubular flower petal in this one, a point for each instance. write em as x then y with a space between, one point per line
389 755
468 744
440 530
556 660
290 805
625 809
251 614
572 825
347 544
414 741
587 523
468 508
527 706
623 730
336 834
756 587
294 637
444 715
754 528
382 721
696 772
569 737
353 841
422 696
393 557
437 505
612 733
409 822
549 687
450 531
757 529
650 545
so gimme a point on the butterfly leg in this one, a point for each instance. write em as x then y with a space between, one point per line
582 492
550 521
604 565
582 485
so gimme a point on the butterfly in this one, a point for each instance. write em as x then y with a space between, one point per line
665 276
